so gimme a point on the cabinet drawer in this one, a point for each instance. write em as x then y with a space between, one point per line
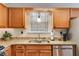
45 53
20 47
39 47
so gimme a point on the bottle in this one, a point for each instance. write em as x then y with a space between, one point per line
64 37
52 35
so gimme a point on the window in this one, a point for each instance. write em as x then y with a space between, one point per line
39 22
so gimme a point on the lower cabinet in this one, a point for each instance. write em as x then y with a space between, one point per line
38 53
20 52
8 51
40 50
45 53
32 53
31 50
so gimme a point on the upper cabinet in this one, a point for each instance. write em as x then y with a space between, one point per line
3 16
27 11
61 18
74 12
16 17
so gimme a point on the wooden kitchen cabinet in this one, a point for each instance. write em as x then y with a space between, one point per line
19 46
16 17
61 18
74 12
32 52
3 16
8 51
39 47
45 52
18 50
38 50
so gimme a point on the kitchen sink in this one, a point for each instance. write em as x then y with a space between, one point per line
39 41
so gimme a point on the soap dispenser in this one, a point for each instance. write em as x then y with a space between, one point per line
52 35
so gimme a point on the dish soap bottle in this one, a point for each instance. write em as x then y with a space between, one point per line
52 35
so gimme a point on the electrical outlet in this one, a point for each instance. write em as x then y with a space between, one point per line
21 32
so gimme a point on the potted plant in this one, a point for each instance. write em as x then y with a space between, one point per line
6 36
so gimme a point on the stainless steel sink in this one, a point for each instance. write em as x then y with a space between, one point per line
39 41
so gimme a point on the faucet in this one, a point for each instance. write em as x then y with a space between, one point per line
40 39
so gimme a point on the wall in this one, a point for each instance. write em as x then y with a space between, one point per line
14 32
17 32
74 30
57 32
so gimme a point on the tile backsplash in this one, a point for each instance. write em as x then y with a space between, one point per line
17 32
57 31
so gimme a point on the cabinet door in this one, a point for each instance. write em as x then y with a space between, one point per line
74 12
32 53
20 52
20 46
8 51
45 52
38 50
16 17
61 18
3 16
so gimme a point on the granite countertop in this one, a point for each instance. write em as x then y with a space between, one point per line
26 41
